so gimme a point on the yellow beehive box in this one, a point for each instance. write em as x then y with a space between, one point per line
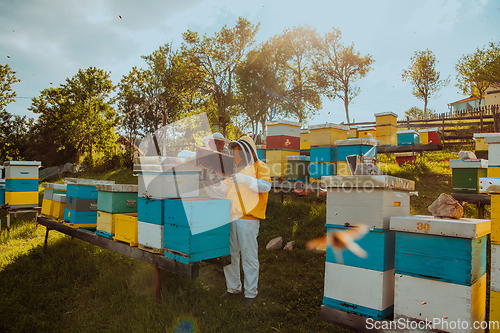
481 145
386 130
126 228
21 198
105 222
369 132
57 211
327 134
46 207
343 169
352 133
493 172
279 156
423 138
305 139
391 140
494 309
386 118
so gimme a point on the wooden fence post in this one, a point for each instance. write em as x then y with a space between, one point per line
408 122
481 118
443 129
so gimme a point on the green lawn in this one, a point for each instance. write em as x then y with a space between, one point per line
78 287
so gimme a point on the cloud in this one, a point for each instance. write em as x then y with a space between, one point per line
435 16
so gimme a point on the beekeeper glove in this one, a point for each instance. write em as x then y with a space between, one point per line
187 154
257 185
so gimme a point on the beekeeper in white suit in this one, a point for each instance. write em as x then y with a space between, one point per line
248 191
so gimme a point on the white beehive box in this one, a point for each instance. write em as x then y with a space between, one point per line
495 268
150 235
420 299
489 185
21 169
361 291
494 155
283 127
372 200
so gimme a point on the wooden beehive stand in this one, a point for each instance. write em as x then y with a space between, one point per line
16 211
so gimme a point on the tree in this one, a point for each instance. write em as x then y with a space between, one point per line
491 72
424 77
478 71
261 84
340 66
303 87
7 78
78 114
218 57
13 136
418 113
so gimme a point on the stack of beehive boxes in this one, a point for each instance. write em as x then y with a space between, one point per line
440 267
53 207
323 160
408 137
305 142
282 140
113 201
387 124
2 186
161 178
363 286
81 202
491 185
351 147
465 174
481 147
21 183
261 152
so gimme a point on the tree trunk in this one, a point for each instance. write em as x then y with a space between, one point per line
425 108
346 106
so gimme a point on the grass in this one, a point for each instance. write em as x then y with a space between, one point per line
79 287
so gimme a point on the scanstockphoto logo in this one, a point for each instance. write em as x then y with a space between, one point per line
440 324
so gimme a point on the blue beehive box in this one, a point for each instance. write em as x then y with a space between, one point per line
2 195
261 152
318 170
408 138
323 155
81 188
21 185
80 217
196 229
150 210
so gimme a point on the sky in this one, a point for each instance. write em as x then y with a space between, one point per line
46 42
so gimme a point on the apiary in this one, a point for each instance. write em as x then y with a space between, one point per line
440 268
363 285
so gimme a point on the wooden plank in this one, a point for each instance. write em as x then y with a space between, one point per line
422 299
185 270
349 321
483 199
423 224
397 149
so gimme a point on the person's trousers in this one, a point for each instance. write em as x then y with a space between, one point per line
243 240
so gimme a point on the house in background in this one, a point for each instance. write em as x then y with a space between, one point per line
491 97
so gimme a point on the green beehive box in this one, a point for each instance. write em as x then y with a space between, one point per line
467 180
117 198
297 168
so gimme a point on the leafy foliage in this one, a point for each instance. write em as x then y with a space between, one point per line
418 113
423 76
477 71
7 78
77 117
340 66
